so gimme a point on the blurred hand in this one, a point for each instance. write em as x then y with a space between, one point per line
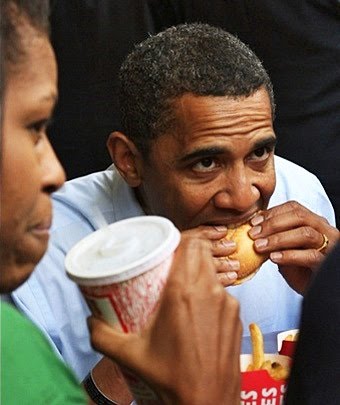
226 269
189 351
293 235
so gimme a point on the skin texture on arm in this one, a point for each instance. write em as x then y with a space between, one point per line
189 352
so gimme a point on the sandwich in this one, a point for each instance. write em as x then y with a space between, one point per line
250 260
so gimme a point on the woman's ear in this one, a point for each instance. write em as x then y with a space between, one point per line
125 157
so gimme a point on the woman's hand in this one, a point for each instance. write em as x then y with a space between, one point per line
189 351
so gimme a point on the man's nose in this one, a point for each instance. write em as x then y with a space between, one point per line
238 192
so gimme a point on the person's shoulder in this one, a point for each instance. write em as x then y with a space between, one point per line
295 183
87 187
16 327
287 168
291 176
18 331
9 315
85 200
28 361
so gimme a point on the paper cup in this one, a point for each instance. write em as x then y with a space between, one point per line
121 270
258 387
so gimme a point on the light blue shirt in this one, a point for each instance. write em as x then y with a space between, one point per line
55 305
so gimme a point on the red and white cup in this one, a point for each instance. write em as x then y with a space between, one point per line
121 270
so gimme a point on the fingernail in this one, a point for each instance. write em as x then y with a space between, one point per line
276 256
232 275
260 243
221 228
228 243
255 230
234 264
257 220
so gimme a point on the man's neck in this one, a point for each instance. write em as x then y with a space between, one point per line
140 200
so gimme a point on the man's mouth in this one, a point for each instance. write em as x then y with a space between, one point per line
233 222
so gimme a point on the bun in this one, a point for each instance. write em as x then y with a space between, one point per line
250 260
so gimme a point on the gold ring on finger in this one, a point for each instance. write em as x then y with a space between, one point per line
324 244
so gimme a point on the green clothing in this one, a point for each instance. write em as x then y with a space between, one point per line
30 371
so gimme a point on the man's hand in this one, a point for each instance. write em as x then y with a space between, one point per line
294 236
226 269
189 351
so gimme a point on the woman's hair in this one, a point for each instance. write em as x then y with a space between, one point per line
14 15
188 58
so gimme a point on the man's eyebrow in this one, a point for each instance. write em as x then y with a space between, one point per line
201 153
269 142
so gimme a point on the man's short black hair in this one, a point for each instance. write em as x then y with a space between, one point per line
188 58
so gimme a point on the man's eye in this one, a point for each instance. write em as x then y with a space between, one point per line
204 165
261 153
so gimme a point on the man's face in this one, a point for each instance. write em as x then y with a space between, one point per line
30 170
218 168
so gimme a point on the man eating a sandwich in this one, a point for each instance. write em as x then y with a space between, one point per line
197 146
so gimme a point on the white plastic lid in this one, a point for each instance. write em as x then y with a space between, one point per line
122 250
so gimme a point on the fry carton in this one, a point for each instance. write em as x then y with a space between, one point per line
286 342
258 387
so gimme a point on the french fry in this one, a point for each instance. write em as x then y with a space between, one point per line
278 372
274 369
267 365
292 338
257 345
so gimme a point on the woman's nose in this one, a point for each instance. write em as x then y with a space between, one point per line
53 172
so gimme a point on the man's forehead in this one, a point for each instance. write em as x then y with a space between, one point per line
194 113
261 93
191 107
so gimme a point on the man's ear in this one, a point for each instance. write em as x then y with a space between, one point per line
125 157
